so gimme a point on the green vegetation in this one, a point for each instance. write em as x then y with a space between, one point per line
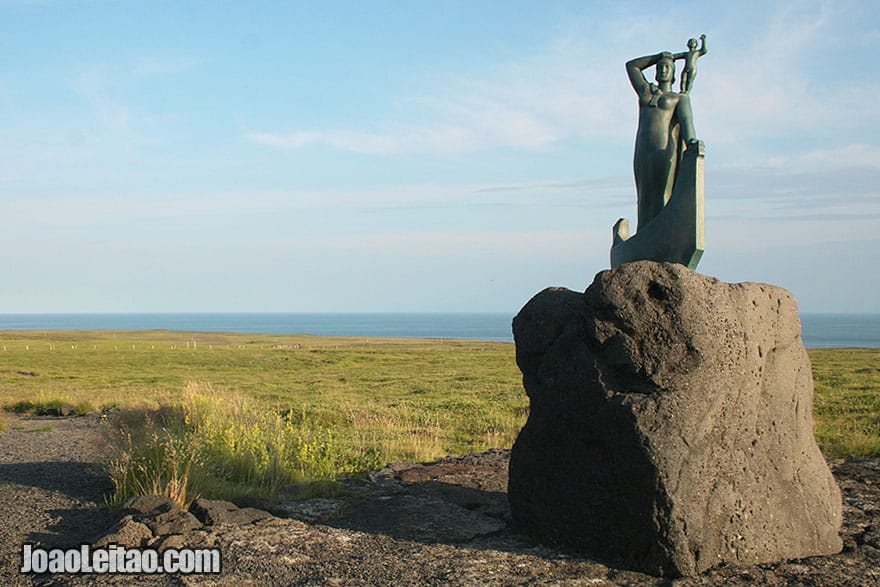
248 413
230 414
847 401
224 445
50 407
43 428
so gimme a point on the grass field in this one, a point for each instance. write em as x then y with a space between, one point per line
248 413
846 403
272 409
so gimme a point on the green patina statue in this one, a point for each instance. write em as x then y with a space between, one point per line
668 166
689 73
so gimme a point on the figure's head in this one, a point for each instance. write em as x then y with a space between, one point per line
665 69
692 44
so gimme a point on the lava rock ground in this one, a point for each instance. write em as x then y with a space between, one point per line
443 523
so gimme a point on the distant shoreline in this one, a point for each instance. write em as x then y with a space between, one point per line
495 326
819 330
103 334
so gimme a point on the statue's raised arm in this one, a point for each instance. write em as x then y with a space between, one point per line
635 70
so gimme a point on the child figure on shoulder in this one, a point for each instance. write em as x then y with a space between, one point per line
690 62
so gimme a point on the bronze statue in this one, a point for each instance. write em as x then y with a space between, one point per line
689 73
665 135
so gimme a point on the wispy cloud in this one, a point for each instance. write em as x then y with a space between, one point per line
461 243
471 127
94 85
432 139
761 91
531 104
844 157
135 204
773 90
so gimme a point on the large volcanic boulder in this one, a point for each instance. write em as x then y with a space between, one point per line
671 424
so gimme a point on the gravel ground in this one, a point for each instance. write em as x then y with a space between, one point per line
439 524
52 486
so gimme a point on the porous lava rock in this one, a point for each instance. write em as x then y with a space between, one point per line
671 424
218 512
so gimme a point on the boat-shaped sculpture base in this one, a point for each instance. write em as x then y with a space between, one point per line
676 234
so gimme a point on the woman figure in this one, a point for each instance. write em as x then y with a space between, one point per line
665 123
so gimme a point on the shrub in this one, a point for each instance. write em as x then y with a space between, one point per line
50 407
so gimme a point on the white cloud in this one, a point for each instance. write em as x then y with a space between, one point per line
94 86
473 127
407 140
844 157
773 87
102 86
795 192
63 211
763 234
526 244
531 104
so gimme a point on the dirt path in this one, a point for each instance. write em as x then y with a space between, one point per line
52 486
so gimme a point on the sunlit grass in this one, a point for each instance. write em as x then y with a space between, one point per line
238 414
846 404
152 454
220 415
42 406
220 443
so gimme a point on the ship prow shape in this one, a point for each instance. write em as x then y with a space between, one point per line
677 233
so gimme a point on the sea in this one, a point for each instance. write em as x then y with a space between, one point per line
819 330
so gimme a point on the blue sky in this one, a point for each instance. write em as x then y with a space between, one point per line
416 156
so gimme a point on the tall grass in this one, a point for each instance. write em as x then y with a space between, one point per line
219 443
222 444
154 455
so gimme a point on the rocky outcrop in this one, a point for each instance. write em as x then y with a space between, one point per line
671 424
150 520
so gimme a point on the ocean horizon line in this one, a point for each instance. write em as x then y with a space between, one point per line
819 330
